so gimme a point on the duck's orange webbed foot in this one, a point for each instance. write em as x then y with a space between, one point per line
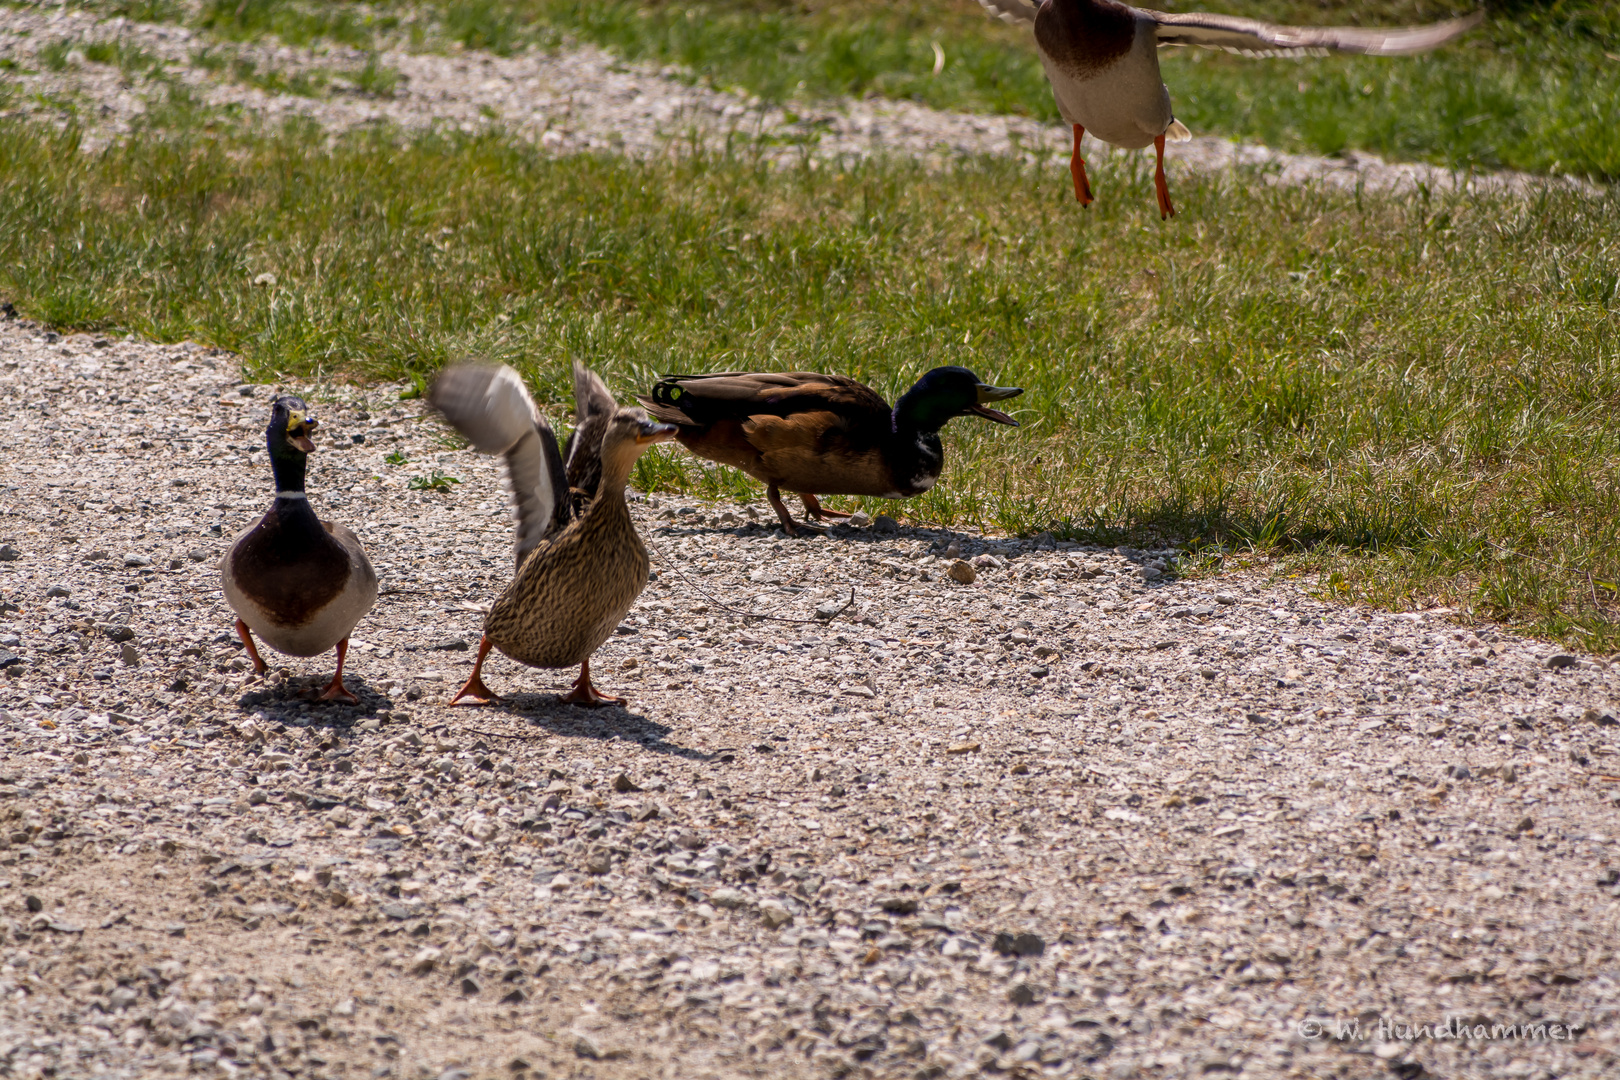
475 688
583 693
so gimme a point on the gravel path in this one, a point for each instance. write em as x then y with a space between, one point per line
583 99
1077 818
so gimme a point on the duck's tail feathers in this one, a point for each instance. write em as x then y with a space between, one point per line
491 408
1177 132
594 406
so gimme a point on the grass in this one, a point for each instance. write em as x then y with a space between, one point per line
1537 88
1411 398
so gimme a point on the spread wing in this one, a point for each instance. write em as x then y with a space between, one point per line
1240 35
594 407
1011 11
492 409
706 399
1251 36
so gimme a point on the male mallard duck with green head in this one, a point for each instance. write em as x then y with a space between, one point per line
298 582
823 434
580 563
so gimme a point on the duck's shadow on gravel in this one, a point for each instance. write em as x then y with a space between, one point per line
613 724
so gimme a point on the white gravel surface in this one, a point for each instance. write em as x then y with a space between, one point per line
584 99
1077 818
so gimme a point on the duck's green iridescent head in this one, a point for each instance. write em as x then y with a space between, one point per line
946 393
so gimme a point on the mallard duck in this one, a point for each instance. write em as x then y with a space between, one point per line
823 434
297 581
1101 58
580 563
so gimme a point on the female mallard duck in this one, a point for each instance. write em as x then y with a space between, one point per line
297 581
580 564
823 434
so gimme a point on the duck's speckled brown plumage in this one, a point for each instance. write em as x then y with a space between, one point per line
574 588
580 563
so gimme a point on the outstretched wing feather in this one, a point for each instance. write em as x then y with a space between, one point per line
491 408
1251 36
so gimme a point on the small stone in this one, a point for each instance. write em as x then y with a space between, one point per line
1019 944
899 905
688 840
963 572
425 961
9 553
828 608
775 914
1225 598
860 519
963 748
1150 573
120 633
1021 994
1526 824
197 554
132 560
1561 661
1461 772
58 590
450 645
8 658
469 986
598 862
33 903
623 783
884 524
728 899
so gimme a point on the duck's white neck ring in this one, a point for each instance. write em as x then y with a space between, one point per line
291 495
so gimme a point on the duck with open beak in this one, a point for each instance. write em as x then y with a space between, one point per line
300 583
823 434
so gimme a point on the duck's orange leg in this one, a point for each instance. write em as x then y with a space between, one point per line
475 688
813 507
1159 185
1077 169
246 635
583 693
335 690
773 495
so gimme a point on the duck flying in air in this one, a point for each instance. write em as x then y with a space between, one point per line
1101 58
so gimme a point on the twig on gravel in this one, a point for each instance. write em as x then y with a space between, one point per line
750 614
475 731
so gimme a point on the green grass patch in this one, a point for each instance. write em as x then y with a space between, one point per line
1413 397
